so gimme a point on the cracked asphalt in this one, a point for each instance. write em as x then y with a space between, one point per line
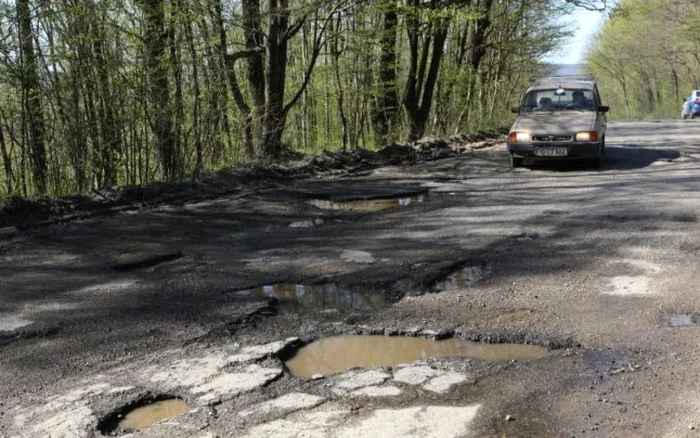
599 266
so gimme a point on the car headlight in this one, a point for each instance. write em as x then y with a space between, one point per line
515 137
590 136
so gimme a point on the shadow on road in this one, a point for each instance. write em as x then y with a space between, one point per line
615 158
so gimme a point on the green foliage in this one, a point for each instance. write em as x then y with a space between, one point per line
98 102
647 57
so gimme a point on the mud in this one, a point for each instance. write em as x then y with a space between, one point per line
339 354
142 414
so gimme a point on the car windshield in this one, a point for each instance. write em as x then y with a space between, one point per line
559 99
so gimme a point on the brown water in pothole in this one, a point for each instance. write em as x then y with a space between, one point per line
299 298
338 354
147 416
463 278
367 205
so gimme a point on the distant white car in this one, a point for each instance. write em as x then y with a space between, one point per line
691 106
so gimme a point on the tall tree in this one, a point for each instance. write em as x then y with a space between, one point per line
387 106
423 74
155 41
32 96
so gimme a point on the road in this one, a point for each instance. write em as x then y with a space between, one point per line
578 286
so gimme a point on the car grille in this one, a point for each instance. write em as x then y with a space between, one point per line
551 138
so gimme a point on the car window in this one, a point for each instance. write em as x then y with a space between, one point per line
559 99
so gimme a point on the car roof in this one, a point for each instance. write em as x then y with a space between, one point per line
586 83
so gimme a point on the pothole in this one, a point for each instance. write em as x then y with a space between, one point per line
300 298
680 320
341 353
142 414
464 277
147 262
367 205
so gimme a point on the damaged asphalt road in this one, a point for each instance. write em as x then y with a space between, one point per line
555 301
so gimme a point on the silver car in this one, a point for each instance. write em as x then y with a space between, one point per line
560 118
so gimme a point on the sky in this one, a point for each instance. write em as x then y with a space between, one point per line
586 22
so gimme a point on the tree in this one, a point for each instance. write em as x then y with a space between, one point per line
32 96
156 41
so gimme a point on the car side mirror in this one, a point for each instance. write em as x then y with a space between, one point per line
515 109
603 108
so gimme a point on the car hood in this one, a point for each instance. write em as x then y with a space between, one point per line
558 122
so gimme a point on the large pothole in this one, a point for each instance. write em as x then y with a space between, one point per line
367 205
341 353
142 414
300 298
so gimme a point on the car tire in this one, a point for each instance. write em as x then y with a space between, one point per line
684 116
516 162
602 146
594 162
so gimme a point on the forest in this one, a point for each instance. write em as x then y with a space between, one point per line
101 93
647 57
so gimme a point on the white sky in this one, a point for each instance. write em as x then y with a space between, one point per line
587 22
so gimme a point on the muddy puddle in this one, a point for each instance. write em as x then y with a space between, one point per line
141 417
367 205
679 320
464 277
300 298
338 354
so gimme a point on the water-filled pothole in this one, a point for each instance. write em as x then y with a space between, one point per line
338 354
142 415
680 320
299 298
367 205
464 277
147 261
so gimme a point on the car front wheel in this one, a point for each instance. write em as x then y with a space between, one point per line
516 162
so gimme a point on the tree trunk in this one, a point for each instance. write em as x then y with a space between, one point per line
254 42
420 84
30 85
155 40
275 79
386 114
6 161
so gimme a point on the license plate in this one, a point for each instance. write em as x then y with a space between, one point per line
551 152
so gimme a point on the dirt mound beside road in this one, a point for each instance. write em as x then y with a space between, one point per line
25 213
